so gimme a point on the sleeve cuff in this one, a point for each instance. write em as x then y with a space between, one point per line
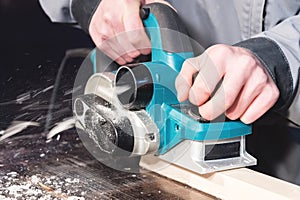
273 59
83 10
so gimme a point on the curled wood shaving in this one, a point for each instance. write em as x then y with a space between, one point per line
60 127
16 127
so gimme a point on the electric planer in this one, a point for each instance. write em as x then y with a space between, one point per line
133 110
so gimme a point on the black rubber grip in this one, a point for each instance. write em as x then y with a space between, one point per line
174 41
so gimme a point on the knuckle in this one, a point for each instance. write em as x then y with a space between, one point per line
261 72
101 40
133 21
261 81
97 40
206 115
224 50
271 95
103 37
114 20
247 60
275 93
194 97
179 80
247 64
229 97
107 17
218 48
186 63
200 88
190 65
102 43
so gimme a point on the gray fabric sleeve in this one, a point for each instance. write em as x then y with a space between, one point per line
58 11
70 11
279 51
83 10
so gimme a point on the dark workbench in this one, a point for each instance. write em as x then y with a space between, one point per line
33 167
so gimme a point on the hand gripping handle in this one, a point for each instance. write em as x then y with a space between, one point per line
166 31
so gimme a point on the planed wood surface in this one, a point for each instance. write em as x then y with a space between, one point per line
231 184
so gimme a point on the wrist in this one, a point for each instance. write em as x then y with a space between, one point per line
274 61
83 10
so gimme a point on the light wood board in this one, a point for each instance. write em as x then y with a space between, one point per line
233 184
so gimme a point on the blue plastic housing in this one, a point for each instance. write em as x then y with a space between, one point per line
164 108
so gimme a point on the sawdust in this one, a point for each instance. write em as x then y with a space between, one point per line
14 186
115 114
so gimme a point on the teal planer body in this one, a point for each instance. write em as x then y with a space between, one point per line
142 98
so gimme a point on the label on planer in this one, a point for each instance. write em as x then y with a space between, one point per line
222 151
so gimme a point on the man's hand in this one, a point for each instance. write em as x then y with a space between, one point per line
117 30
247 90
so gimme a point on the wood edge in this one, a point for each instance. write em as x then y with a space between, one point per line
231 184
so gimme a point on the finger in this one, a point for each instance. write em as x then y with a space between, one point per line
110 32
249 92
123 40
261 104
118 49
206 81
184 79
135 30
107 49
225 95
104 43
110 25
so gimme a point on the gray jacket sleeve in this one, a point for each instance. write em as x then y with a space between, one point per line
58 10
70 11
279 51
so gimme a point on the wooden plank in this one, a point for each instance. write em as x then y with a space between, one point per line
231 184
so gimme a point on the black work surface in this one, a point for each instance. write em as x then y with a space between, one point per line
62 169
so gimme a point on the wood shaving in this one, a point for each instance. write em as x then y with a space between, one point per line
60 127
16 127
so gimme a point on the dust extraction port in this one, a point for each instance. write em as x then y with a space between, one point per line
134 86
